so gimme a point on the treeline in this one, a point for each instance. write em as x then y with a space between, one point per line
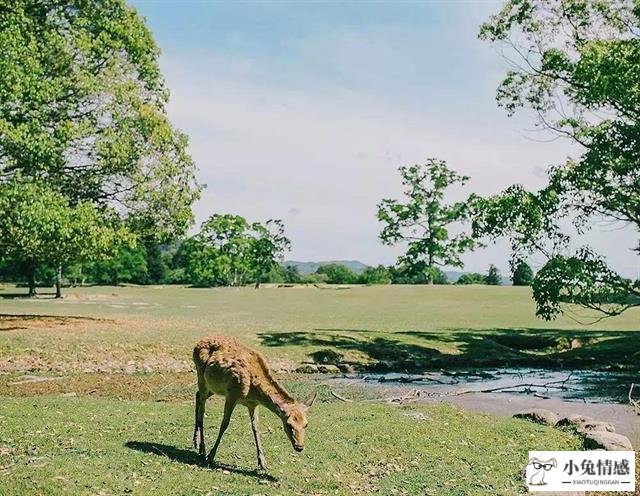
189 262
228 251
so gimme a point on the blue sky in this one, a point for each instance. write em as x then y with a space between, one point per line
305 110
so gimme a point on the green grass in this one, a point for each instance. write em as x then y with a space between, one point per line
125 355
56 446
380 327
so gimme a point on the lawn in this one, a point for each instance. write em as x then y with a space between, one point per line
97 389
379 327
87 446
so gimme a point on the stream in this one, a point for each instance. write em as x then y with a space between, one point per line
568 385
602 395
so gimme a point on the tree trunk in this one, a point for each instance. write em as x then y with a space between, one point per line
258 281
59 282
32 279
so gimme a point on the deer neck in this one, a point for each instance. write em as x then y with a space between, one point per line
275 398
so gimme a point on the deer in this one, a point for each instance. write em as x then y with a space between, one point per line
240 374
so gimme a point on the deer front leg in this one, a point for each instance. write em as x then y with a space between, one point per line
229 405
253 413
198 433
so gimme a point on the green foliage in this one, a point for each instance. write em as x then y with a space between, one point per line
580 72
156 263
267 248
40 226
493 277
522 274
129 265
376 275
413 275
82 106
583 279
337 274
423 221
472 278
291 274
229 251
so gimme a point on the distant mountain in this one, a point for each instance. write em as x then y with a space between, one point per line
305 268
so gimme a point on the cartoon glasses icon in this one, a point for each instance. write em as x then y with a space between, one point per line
546 466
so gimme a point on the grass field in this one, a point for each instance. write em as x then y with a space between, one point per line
97 388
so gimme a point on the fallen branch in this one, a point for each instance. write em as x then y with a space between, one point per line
541 396
634 403
406 379
526 385
341 398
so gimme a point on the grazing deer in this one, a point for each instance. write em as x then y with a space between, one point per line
241 375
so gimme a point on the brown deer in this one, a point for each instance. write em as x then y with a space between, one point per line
241 375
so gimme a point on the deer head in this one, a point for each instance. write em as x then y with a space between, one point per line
295 422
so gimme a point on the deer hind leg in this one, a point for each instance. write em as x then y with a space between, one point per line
253 413
198 433
229 404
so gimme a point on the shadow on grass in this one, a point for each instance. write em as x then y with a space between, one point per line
190 457
415 351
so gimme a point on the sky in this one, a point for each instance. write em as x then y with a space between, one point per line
304 111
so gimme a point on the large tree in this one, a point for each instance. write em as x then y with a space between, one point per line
39 226
229 251
82 106
522 274
423 220
493 277
268 246
577 66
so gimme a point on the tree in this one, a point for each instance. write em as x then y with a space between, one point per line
578 70
423 221
128 265
229 251
39 225
156 263
407 275
493 277
376 275
83 107
220 253
472 278
337 274
522 274
291 274
268 247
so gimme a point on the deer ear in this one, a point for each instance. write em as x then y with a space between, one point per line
310 400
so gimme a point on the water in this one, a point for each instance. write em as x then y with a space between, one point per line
568 385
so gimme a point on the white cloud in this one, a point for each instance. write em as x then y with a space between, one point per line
322 159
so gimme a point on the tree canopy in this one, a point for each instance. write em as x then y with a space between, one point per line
472 278
337 274
522 274
82 107
228 251
424 219
493 277
39 225
577 67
